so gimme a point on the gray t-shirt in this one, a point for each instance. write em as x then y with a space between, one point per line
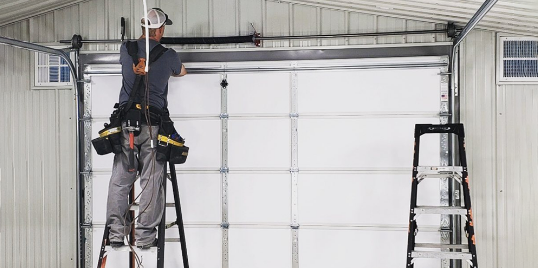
159 72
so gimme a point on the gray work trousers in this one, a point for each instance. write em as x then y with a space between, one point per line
152 196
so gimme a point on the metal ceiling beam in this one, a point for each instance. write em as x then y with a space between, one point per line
482 11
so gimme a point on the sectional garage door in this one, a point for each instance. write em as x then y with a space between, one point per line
293 163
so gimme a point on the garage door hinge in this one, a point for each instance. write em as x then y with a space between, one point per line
86 225
225 225
294 115
294 169
224 170
223 116
294 226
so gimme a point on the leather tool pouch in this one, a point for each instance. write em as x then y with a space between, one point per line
109 140
170 145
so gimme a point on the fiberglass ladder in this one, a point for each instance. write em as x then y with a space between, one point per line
105 244
467 251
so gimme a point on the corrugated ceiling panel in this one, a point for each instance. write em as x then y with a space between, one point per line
505 16
518 202
478 108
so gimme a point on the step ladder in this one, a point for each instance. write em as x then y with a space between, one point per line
465 252
105 244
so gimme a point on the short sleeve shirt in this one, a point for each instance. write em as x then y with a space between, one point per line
159 72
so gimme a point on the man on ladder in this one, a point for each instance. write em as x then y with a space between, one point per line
142 109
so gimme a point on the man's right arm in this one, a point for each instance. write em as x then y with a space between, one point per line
182 73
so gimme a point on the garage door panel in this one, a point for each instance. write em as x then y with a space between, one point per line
203 139
194 95
260 248
204 248
269 93
363 143
259 198
259 143
105 93
369 91
199 196
100 195
363 199
355 248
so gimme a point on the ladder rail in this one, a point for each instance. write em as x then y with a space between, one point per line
459 173
105 243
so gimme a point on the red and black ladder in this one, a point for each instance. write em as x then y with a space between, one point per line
465 252
105 244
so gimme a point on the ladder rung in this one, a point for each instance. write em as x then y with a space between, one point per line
136 206
438 175
436 170
440 210
127 248
172 240
442 246
442 255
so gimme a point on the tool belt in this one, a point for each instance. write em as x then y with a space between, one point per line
109 140
170 145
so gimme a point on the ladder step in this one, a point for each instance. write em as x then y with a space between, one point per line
440 169
172 240
442 246
127 248
442 255
440 210
136 206
429 171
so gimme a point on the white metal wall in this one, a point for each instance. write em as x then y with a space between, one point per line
37 166
502 136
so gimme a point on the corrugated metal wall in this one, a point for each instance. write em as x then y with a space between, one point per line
502 139
38 177
478 108
38 221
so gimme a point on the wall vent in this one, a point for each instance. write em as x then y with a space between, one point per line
51 71
518 59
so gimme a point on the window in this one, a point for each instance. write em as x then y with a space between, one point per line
51 70
518 59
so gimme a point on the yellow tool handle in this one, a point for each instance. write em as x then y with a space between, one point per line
168 140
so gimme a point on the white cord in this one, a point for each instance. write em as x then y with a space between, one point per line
146 34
